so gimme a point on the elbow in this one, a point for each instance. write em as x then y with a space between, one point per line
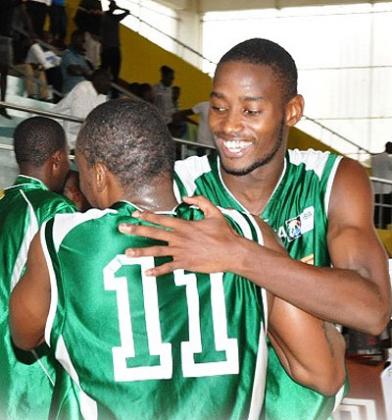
378 319
326 382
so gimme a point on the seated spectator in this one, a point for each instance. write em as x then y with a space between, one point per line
82 99
75 67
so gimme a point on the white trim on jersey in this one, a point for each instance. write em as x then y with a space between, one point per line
21 259
190 169
88 406
258 389
64 223
330 183
256 403
314 160
53 286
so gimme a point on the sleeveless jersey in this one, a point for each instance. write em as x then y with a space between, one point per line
183 345
25 389
297 211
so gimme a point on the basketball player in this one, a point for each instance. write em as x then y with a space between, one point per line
41 154
182 345
319 204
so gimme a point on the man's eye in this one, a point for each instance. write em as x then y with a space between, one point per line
218 108
251 112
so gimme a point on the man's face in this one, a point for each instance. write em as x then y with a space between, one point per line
87 179
167 78
61 171
247 111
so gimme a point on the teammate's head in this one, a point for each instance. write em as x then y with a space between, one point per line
101 81
41 151
167 75
129 139
253 102
267 53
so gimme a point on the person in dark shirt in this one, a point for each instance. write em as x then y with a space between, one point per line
6 53
110 39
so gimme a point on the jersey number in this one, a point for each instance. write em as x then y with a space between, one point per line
163 351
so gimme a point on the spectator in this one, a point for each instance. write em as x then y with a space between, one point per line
163 95
7 8
82 99
37 10
75 67
88 19
110 39
382 168
146 93
58 23
204 134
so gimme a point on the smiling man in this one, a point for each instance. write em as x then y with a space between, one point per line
320 205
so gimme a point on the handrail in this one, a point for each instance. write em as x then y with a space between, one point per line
41 112
80 120
337 134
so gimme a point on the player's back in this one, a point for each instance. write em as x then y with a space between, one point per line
25 389
178 346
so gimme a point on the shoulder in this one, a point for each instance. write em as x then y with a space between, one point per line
315 160
191 169
48 203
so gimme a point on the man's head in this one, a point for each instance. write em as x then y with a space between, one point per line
167 76
101 81
125 141
41 151
388 147
253 103
112 5
77 41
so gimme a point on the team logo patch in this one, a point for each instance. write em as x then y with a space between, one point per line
295 227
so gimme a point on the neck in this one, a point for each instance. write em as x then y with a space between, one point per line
254 189
158 196
34 172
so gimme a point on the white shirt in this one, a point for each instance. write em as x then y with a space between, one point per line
79 102
163 100
37 55
382 168
47 2
204 134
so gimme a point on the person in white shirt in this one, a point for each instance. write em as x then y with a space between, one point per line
81 100
382 168
163 95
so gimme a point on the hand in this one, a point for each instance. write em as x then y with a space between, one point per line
205 246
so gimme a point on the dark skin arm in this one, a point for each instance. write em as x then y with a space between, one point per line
30 300
355 292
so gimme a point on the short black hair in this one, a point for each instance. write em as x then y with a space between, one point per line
268 53
36 139
166 69
130 138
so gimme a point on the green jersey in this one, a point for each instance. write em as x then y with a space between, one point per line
297 210
25 388
183 345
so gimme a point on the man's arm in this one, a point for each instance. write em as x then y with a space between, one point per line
30 300
355 292
311 351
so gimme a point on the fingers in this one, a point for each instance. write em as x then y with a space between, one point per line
147 231
204 204
151 251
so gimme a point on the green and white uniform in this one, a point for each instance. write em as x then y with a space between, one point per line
179 346
25 390
297 210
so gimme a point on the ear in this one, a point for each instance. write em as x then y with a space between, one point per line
56 159
101 176
294 110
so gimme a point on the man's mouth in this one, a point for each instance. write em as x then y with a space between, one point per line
236 147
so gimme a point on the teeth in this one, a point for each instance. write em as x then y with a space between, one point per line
236 145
